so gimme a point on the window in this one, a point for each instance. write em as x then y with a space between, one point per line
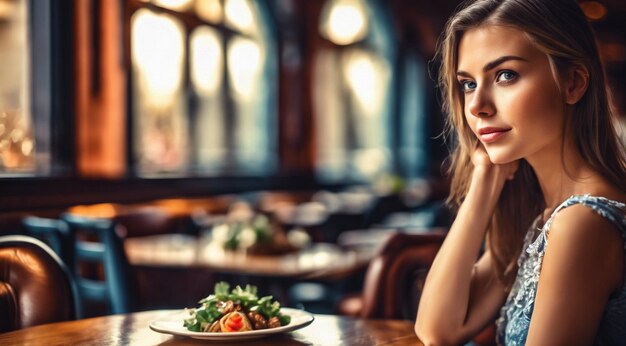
413 141
203 88
352 94
17 132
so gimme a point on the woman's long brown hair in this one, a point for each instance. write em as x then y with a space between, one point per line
560 30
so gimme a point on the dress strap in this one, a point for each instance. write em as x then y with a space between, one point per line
614 211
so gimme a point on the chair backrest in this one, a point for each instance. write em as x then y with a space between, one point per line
54 233
96 242
35 286
394 277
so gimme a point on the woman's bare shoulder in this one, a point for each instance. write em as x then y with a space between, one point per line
596 240
583 221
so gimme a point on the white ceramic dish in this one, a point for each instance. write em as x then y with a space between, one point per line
174 325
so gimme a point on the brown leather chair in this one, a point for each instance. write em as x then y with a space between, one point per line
396 275
35 286
395 279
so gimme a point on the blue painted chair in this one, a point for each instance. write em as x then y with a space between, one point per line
54 233
98 245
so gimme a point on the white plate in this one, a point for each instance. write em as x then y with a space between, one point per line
174 325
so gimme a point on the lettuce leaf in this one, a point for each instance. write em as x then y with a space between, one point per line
246 297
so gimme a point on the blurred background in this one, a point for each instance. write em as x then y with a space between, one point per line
305 119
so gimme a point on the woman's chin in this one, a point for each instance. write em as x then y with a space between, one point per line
498 158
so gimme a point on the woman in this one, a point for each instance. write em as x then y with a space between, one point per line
538 170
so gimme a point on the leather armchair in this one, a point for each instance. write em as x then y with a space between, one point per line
395 279
35 286
396 275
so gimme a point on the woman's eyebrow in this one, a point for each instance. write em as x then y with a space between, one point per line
493 64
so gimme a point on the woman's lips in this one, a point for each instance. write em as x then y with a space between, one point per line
489 135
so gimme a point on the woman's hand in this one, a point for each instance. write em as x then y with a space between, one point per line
484 168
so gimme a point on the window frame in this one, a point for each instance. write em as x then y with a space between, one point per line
190 22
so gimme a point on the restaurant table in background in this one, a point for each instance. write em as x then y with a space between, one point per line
320 261
195 262
133 329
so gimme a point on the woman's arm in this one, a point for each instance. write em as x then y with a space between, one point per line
461 296
582 266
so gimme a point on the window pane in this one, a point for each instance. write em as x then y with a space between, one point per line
332 148
249 89
252 88
351 96
367 78
160 124
352 89
207 71
17 142
414 139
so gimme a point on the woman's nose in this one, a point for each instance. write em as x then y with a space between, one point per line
481 103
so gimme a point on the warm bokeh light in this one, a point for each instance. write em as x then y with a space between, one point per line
16 140
206 61
210 10
17 130
104 210
239 15
175 5
244 66
593 10
174 206
27 147
7 9
157 51
345 21
366 78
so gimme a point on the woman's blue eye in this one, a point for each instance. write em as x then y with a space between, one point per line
468 85
506 76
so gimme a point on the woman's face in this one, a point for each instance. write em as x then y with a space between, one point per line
511 101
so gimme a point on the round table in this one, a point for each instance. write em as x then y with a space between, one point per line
133 329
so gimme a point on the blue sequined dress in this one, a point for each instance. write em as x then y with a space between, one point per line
515 315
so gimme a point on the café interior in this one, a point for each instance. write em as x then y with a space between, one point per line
155 148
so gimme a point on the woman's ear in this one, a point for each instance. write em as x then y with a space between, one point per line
576 84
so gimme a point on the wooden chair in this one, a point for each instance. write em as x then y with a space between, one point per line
98 245
35 286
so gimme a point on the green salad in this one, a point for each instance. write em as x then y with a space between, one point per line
236 310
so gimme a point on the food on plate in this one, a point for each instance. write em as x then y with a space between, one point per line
239 310
258 236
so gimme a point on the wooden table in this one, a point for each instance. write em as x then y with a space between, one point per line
321 261
133 329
